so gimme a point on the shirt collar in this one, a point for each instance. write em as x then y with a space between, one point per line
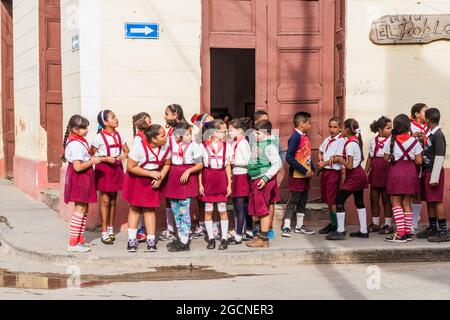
301 133
434 130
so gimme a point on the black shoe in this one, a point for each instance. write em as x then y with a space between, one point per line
178 246
247 237
336 235
443 236
132 245
151 246
223 244
329 228
359 234
425 234
395 238
211 244
232 241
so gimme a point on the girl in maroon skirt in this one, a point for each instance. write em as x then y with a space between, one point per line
182 182
404 152
111 147
148 166
376 168
215 180
80 180
240 186
355 182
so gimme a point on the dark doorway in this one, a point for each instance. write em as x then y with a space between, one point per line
233 82
7 57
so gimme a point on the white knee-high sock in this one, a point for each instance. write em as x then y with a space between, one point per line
300 217
209 229
417 208
170 220
341 221
362 215
224 225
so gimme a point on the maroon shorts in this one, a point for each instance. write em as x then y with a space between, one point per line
330 183
259 201
433 194
298 185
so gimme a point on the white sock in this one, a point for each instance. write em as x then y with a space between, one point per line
341 221
184 239
287 223
238 237
170 220
388 222
132 234
300 217
209 229
362 215
110 229
152 237
224 225
376 220
202 225
216 228
417 208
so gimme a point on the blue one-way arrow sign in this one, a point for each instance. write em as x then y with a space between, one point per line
141 30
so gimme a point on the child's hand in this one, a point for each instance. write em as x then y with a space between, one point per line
123 156
310 174
109 160
156 184
96 160
261 184
154 175
201 190
185 177
229 191
321 164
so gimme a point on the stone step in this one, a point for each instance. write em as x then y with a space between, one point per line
51 198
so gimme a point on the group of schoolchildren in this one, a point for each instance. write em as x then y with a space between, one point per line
208 162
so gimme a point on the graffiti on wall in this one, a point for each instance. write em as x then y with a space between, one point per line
410 29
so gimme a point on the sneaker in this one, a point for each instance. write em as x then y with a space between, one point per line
440 237
258 242
395 238
247 236
271 234
223 244
336 235
425 234
304 230
199 233
326 230
106 239
286 233
141 235
178 246
414 230
359 234
151 246
111 235
232 241
167 235
373 228
409 237
211 244
132 245
386 230
78 248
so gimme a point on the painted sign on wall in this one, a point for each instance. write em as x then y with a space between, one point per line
410 29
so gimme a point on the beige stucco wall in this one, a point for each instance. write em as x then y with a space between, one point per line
30 138
388 80
130 76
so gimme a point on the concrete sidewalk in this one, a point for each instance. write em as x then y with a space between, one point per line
36 232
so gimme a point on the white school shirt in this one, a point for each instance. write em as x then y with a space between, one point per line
354 150
335 148
99 144
192 153
398 153
77 151
216 163
415 128
241 157
137 153
380 151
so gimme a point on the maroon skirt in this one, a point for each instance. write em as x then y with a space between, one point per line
403 178
259 201
355 180
240 186
298 185
433 194
173 188
378 173
275 196
330 182
138 192
109 177
215 184
80 186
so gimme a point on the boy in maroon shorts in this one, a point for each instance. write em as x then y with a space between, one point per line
433 179
265 162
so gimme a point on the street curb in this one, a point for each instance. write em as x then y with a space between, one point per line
270 256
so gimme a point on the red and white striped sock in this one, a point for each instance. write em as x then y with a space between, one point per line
399 217
408 222
76 224
83 229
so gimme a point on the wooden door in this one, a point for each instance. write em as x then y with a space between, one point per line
51 83
340 58
7 58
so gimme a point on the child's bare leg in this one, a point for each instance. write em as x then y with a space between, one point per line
105 208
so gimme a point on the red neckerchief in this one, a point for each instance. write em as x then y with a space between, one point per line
73 137
141 135
379 144
333 139
349 140
170 132
181 151
210 146
236 144
402 138
423 128
114 135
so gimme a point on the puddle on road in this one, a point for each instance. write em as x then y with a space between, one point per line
49 281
